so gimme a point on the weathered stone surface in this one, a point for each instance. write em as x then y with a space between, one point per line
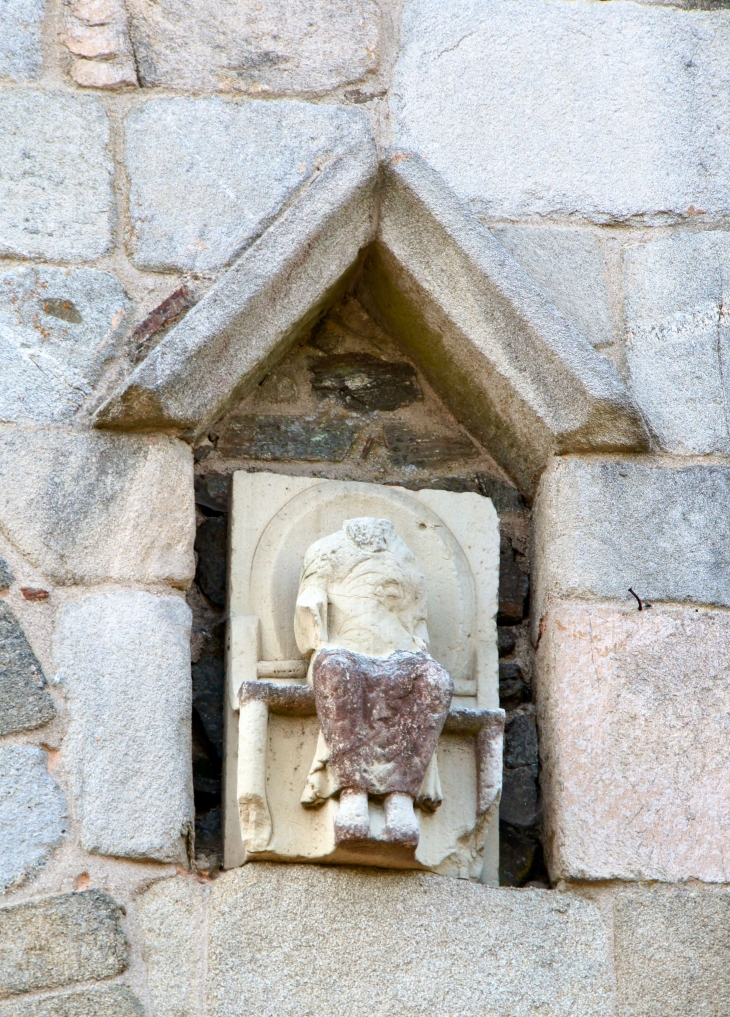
33 817
517 853
321 437
72 937
513 685
511 367
672 950
506 640
208 679
24 699
299 46
275 291
58 328
407 447
55 176
87 507
224 172
21 23
171 916
520 741
514 585
634 124
212 490
109 1001
498 951
124 659
569 267
6 575
677 291
362 382
211 546
603 526
520 801
633 739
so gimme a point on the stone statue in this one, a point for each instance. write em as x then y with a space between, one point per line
381 698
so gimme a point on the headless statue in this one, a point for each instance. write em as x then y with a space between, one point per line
381 698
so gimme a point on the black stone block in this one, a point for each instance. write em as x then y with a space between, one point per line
212 491
520 802
208 689
412 448
514 586
362 382
516 855
211 544
506 641
513 685
520 741
273 438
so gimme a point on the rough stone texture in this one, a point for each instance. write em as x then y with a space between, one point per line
677 291
520 741
32 813
634 123
55 176
110 1001
509 365
72 937
275 292
21 23
211 546
633 739
405 943
314 438
672 950
58 328
125 663
569 267
280 45
24 699
171 916
86 507
520 801
602 526
6 575
360 381
223 173
409 448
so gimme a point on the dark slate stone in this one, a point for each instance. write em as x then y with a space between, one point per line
412 448
24 699
504 497
212 491
516 855
520 741
514 586
211 545
506 641
520 802
362 382
6 575
208 835
313 439
208 687
513 685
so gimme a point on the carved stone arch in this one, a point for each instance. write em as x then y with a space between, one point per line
509 365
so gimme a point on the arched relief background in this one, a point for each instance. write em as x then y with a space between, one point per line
346 403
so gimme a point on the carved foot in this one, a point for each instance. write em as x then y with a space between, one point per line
401 825
352 821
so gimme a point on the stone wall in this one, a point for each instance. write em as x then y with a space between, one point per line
203 176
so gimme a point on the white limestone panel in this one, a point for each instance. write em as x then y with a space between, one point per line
562 109
123 659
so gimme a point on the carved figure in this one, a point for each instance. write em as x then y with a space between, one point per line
381 698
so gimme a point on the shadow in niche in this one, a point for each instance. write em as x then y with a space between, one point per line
346 403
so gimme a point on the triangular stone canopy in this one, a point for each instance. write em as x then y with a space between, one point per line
506 362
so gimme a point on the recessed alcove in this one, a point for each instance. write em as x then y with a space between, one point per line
346 402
